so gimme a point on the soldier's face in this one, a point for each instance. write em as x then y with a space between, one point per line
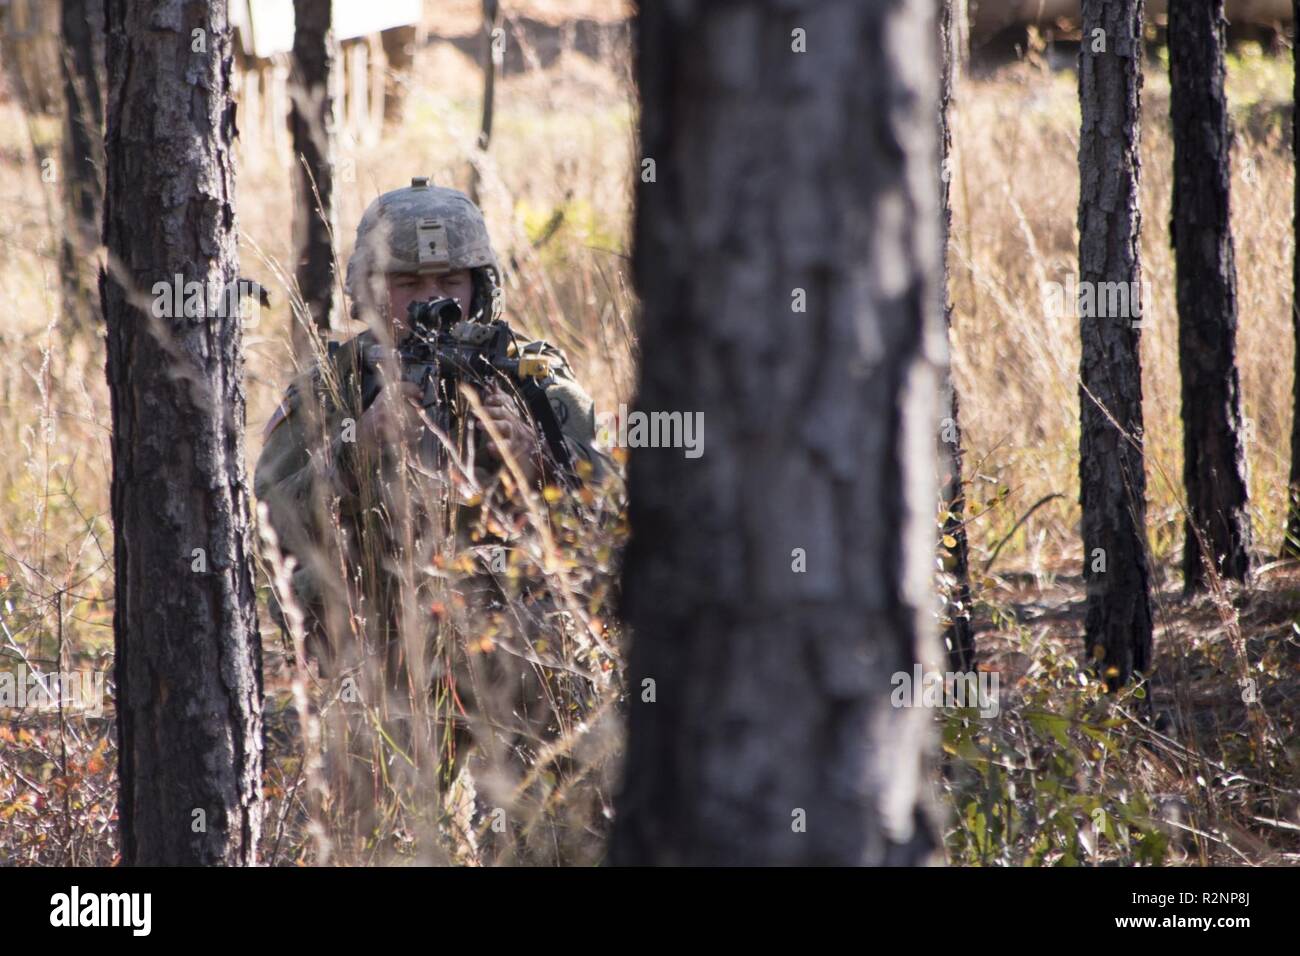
407 287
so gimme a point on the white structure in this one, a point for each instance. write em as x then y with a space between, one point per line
265 27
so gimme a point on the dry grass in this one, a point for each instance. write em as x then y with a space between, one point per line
1213 780
1015 198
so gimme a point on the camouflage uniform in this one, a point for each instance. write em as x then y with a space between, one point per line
325 511
304 462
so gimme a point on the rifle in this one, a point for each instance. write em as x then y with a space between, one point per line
441 350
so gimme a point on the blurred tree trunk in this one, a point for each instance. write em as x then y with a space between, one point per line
82 60
30 54
959 633
188 661
1291 539
400 46
1112 482
1214 452
312 125
956 35
790 272
491 22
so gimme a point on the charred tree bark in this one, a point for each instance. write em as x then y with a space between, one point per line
188 663
82 61
1291 539
311 124
959 633
1214 464
1112 484
787 248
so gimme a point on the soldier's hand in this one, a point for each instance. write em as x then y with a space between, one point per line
392 418
519 437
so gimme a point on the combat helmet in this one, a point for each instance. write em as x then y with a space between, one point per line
427 229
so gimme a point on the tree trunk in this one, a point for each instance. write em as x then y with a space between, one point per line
1291 540
1214 464
400 46
956 34
312 124
959 633
1112 484
188 664
789 262
491 22
82 61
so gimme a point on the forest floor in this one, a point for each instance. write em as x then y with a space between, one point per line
1200 765
1214 745
1201 776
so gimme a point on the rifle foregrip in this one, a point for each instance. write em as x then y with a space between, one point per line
540 407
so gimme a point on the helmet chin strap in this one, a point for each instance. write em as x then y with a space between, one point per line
480 309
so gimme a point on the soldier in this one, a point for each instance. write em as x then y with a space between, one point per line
375 483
